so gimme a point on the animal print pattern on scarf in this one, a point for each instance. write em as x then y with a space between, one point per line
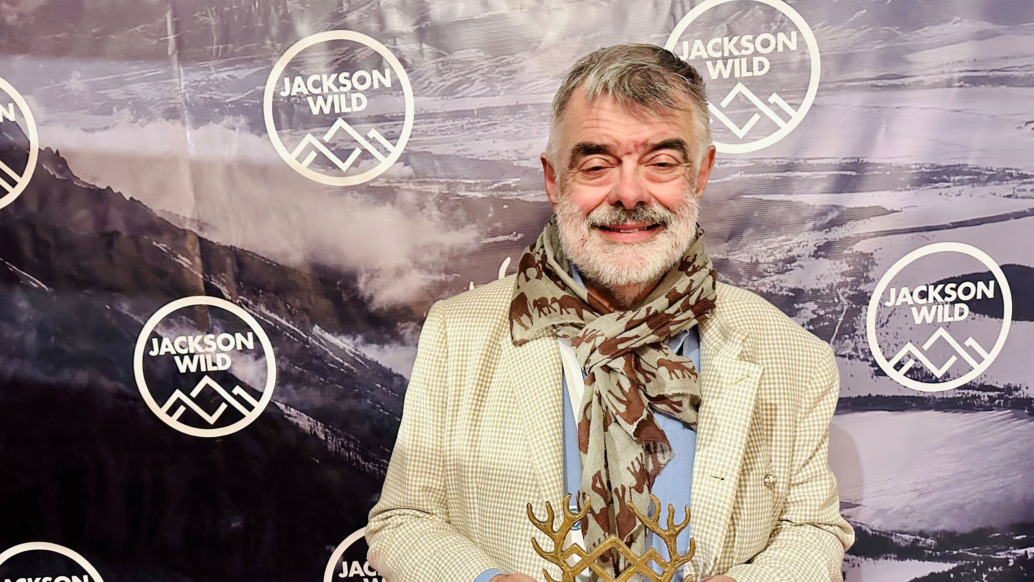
630 373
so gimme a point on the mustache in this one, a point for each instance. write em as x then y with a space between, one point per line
619 214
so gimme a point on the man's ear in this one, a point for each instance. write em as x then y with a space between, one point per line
704 171
550 175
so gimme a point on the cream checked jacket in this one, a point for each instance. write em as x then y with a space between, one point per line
481 438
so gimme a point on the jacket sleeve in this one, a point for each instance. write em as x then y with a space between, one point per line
409 533
810 537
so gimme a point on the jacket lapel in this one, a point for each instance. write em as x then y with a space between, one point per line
535 370
728 387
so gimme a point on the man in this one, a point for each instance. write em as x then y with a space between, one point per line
584 365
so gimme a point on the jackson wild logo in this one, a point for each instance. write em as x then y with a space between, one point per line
348 562
45 562
939 317
19 144
760 62
204 366
338 108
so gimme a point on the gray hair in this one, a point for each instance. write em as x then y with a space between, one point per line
646 76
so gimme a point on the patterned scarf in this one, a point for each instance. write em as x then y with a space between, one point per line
622 354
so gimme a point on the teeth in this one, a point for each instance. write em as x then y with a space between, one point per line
626 230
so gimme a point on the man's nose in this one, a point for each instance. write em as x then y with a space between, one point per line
630 189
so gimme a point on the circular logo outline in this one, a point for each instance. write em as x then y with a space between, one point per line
881 286
281 65
33 134
141 347
813 83
339 551
51 547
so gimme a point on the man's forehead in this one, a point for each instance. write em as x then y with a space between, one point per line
601 126
583 116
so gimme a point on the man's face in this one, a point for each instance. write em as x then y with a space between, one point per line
625 187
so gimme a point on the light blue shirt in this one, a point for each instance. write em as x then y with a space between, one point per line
674 482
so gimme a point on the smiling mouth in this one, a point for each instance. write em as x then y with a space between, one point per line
628 228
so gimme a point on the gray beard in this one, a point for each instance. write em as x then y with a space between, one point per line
617 266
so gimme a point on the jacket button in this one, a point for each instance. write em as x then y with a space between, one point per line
769 480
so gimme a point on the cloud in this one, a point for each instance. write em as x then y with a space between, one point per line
13 11
231 187
398 357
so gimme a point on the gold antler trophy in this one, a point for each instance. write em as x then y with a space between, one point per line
569 569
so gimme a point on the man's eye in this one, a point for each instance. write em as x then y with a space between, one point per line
664 168
594 169
664 164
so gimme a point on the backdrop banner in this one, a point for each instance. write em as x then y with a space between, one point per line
222 223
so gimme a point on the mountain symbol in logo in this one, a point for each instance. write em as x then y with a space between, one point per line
9 172
7 114
913 354
314 145
191 403
740 89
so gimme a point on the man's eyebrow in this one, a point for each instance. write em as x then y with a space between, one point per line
583 149
672 144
